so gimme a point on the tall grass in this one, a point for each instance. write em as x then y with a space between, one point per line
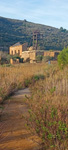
14 77
48 102
49 108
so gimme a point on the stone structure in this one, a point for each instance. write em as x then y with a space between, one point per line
30 48
34 54
26 56
11 61
29 54
14 62
51 53
17 48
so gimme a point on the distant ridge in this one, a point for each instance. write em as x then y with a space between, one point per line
13 31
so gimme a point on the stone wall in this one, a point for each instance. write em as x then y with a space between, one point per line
30 48
11 61
15 50
39 53
51 54
32 55
25 55
24 47
48 53
35 53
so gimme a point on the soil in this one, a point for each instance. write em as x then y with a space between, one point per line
13 132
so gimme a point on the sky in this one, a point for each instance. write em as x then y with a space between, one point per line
48 12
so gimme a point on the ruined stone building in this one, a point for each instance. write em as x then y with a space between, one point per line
29 54
17 48
34 54
53 54
26 56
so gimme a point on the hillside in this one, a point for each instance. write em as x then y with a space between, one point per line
12 31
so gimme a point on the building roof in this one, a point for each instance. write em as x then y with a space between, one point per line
17 44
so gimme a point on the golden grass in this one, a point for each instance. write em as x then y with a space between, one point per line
48 103
13 77
49 108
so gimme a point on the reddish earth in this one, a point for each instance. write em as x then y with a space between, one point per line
13 132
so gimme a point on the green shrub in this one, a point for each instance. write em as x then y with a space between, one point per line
27 82
63 58
39 58
15 57
37 77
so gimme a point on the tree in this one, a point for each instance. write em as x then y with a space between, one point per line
63 58
62 30
4 58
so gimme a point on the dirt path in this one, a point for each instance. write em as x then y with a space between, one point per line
13 133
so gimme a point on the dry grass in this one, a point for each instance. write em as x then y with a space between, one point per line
49 108
48 103
17 76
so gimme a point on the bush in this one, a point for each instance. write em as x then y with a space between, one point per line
39 58
15 57
47 58
38 77
63 58
4 58
48 109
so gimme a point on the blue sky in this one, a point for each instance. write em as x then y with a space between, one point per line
49 12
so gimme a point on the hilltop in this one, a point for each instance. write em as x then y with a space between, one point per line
12 31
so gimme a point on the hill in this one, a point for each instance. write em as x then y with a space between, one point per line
12 31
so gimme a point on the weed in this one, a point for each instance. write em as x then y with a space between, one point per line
49 103
37 77
52 90
27 82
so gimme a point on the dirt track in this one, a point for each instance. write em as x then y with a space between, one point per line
13 132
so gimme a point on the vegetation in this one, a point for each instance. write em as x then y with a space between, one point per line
15 57
47 58
63 58
48 104
49 108
13 77
12 31
5 58
39 58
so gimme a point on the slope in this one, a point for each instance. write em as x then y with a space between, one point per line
12 31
